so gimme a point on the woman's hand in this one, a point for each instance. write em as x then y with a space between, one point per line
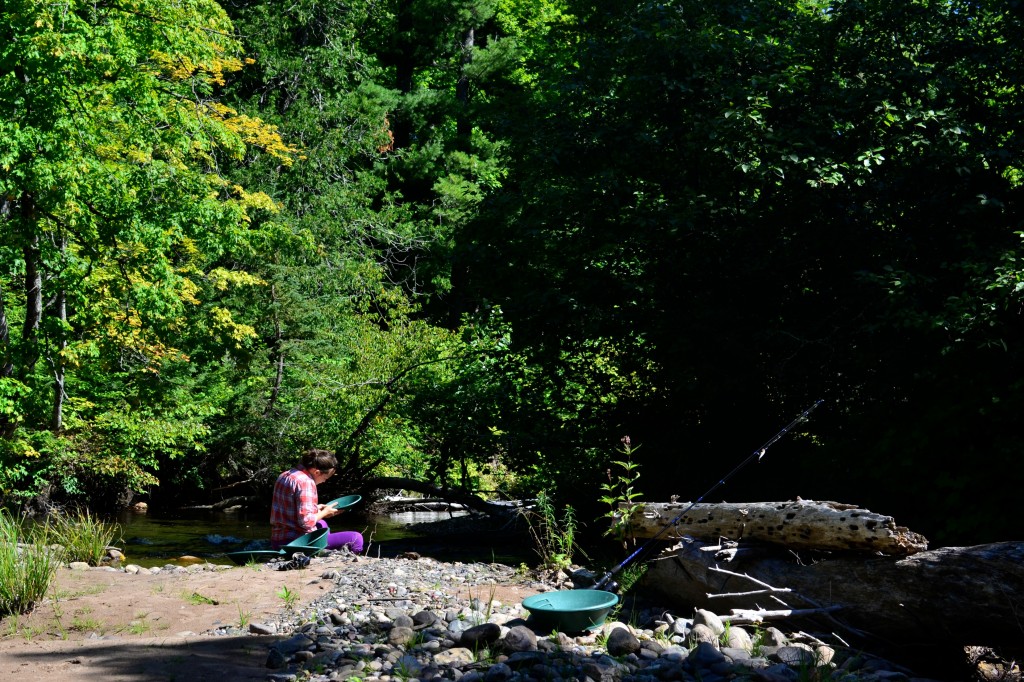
328 510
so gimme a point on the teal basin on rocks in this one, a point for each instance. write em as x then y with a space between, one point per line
570 610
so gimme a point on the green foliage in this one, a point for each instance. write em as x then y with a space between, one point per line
554 536
288 596
82 536
244 618
26 568
197 599
118 216
620 494
762 202
631 575
759 636
481 237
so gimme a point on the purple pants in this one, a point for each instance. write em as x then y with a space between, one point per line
350 538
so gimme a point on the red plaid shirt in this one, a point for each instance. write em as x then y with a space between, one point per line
294 508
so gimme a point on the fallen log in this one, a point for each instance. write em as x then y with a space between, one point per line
958 596
221 504
403 504
461 496
799 524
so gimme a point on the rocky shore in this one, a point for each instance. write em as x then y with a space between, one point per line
409 619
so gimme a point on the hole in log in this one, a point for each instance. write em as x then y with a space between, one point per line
871 525
853 526
791 515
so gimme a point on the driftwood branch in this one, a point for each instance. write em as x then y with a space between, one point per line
951 596
773 593
236 484
750 593
716 569
799 524
746 616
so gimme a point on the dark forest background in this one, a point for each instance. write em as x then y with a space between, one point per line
477 242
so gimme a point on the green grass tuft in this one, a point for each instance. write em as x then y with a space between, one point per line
26 569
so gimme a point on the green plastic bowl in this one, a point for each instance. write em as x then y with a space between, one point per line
317 539
570 610
255 556
308 550
347 501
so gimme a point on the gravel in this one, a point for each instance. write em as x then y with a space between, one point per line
403 619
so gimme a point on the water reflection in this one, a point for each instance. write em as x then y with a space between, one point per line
154 539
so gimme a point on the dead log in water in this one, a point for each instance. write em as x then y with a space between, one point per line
799 524
222 504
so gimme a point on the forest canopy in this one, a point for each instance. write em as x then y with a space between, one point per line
478 242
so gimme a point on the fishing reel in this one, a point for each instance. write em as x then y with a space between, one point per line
607 583
588 580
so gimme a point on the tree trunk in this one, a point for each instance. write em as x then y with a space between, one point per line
6 361
463 124
405 22
279 361
800 524
59 365
33 300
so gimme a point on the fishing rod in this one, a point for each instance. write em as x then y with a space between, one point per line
606 579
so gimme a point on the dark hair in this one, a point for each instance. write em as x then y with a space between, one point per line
321 460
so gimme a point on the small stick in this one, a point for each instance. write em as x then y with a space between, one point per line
770 589
759 615
747 594
715 569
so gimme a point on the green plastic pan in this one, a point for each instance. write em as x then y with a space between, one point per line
570 610
308 550
255 556
304 543
347 501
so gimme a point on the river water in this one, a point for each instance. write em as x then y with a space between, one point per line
152 539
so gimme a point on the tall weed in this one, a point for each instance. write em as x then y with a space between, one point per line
554 538
621 496
83 536
26 569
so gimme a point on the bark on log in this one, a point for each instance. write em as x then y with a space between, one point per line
955 596
800 524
